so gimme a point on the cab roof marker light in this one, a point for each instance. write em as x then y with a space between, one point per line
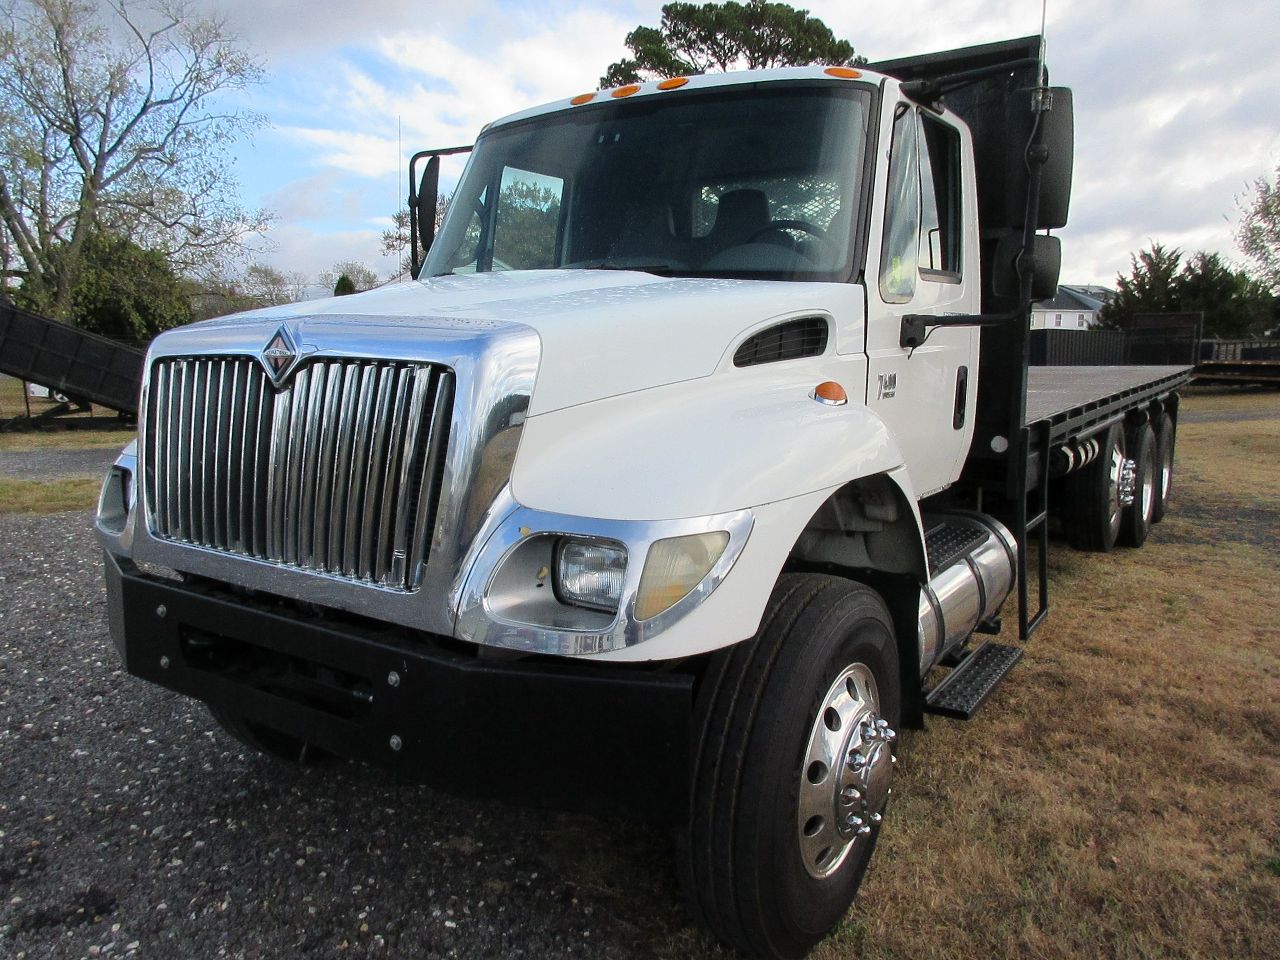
626 91
844 73
673 83
582 98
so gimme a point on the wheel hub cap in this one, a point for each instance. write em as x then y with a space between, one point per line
847 772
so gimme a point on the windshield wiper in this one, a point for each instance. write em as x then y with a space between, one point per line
654 268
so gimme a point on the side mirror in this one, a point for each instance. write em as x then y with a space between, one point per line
1046 265
1057 136
422 210
1045 262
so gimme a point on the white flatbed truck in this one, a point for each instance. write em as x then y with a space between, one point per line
681 476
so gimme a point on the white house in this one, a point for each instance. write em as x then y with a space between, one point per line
1074 308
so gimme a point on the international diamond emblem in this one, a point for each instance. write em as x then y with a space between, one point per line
279 355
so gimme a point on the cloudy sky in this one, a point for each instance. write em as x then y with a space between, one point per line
1175 106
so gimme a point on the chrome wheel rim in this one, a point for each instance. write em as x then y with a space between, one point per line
1166 471
1147 500
845 777
1113 488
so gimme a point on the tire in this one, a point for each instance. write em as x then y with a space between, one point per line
1092 514
1136 521
1165 437
263 740
750 857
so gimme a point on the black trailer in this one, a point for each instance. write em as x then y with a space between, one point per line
81 365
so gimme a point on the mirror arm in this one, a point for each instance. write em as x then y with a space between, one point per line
915 326
422 229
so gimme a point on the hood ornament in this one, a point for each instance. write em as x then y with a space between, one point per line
280 356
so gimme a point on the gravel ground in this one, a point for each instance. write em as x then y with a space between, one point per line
131 825
53 464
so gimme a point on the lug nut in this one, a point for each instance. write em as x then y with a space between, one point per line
161 612
393 679
854 822
856 760
396 742
876 818
850 795
164 663
863 831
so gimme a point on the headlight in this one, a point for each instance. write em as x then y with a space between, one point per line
674 567
589 573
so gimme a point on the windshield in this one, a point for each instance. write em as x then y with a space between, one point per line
760 181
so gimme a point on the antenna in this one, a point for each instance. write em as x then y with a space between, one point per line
1044 13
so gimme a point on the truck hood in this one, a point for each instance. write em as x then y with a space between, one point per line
603 333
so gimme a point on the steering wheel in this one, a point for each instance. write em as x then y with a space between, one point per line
779 226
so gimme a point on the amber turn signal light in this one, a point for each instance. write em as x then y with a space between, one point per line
830 393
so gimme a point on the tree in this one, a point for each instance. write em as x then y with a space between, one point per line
1259 231
395 239
1149 288
122 290
361 276
1233 303
699 38
111 123
344 286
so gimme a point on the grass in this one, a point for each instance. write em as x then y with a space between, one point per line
49 496
1120 796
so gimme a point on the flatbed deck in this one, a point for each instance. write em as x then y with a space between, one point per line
1076 399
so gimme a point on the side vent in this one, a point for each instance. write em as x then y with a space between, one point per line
806 337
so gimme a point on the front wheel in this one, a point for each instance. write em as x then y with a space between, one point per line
792 767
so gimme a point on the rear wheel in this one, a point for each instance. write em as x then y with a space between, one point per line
1165 436
1139 515
792 766
1092 511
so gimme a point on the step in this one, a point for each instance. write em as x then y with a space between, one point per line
946 543
967 687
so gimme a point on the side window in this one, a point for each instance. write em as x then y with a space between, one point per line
899 257
940 195
528 220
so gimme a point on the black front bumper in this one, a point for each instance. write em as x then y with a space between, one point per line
555 733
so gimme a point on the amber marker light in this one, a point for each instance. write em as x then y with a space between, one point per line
830 393
675 83
582 98
844 73
626 91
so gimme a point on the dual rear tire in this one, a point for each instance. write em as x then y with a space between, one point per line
1094 515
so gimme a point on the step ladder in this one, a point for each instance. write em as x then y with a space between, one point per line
978 672
967 687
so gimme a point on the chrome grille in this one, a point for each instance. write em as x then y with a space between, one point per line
338 472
